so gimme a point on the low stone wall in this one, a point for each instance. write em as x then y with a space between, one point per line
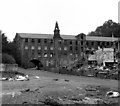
2 67
8 67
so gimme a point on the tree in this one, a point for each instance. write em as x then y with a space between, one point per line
10 48
107 29
15 52
5 44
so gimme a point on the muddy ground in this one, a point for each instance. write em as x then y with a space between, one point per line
55 89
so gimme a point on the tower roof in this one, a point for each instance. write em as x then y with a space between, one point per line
56 26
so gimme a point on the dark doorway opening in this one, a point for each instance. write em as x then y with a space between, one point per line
37 63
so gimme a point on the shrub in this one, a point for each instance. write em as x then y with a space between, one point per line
7 59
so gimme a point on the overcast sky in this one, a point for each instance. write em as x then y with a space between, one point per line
39 16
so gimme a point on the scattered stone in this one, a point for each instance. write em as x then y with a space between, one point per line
66 80
25 103
37 77
3 79
112 94
56 79
11 79
25 90
21 78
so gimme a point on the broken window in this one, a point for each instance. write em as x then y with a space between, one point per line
26 47
26 39
32 47
39 40
65 48
51 48
45 48
39 47
45 55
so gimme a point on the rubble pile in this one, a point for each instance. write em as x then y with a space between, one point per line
13 76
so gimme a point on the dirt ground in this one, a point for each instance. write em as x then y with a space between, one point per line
57 89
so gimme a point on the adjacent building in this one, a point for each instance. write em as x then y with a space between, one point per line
54 50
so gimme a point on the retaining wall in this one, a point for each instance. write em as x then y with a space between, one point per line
8 67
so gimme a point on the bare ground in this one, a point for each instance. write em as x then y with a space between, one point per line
53 88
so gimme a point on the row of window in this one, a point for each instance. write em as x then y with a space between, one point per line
52 54
92 43
88 43
51 41
52 48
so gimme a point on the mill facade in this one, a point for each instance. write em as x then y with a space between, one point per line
55 50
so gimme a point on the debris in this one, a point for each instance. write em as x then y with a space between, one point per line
25 90
21 78
11 79
87 100
112 94
37 77
26 76
56 79
90 75
12 93
66 80
3 79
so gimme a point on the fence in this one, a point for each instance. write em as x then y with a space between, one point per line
8 67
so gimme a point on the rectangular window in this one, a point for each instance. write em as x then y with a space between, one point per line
45 48
70 42
39 52
51 54
26 47
51 41
39 47
45 40
65 48
51 48
65 41
59 48
87 43
82 37
45 55
92 43
26 39
71 48
32 47
65 53
82 43
39 40
33 52
76 42
32 40
107 43
98 43
76 48
39 56
81 49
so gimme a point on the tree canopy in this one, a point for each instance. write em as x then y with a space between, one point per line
107 29
10 49
7 59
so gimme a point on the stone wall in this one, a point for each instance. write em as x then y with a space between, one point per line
8 67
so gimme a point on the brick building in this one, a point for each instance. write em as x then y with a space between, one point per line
55 49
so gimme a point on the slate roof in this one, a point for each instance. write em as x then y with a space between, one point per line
94 38
72 37
43 36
